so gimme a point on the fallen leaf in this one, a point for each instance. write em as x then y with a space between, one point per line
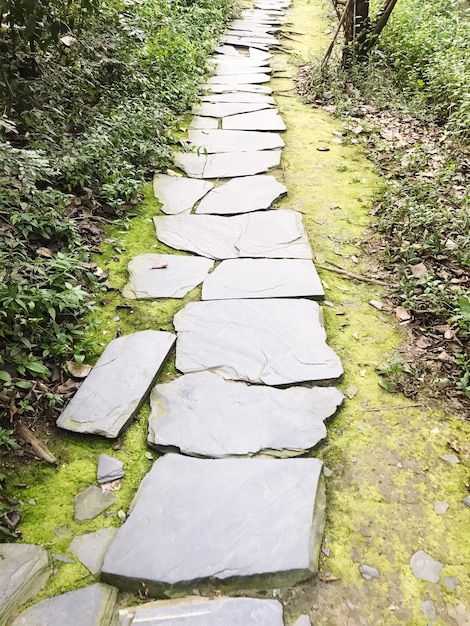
351 391
363 373
419 270
377 304
423 343
173 173
70 386
44 252
68 41
159 266
122 516
371 363
112 485
149 456
328 578
356 336
402 314
78 370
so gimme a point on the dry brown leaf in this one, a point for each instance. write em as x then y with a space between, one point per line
78 370
402 314
377 304
419 270
423 343
172 173
159 266
44 252
113 485
356 336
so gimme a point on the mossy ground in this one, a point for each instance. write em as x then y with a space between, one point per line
383 450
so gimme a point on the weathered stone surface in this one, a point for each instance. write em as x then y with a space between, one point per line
259 120
197 611
239 96
236 87
91 502
114 391
225 109
203 415
24 569
251 42
251 25
227 165
91 548
263 278
303 620
270 234
89 606
235 79
238 60
425 567
212 141
243 195
178 194
259 36
181 274
440 507
275 342
239 69
109 469
253 53
206 520
204 123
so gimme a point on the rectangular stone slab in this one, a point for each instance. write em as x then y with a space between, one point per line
236 87
213 141
246 42
243 194
112 394
271 234
205 521
227 165
225 61
204 415
243 79
178 194
239 96
263 278
274 342
204 122
224 109
259 120
253 53
229 70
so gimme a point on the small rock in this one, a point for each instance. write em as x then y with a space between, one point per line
62 532
354 459
62 558
109 469
303 620
466 501
326 471
450 458
429 609
350 605
326 552
361 427
451 583
91 502
440 507
368 572
425 567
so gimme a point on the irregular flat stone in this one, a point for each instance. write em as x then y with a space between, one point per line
440 507
225 63
239 96
91 502
89 606
237 70
270 234
250 25
225 109
243 79
263 278
197 611
199 122
227 165
114 391
253 53
275 342
429 609
243 195
91 548
219 521
259 36
247 42
212 141
109 469
236 87
179 277
24 569
425 567
259 120
178 194
203 415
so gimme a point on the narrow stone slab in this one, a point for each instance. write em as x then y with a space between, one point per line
252 521
117 386
236 87
247 42
164 275
263 278
259 120
253 53
203 415
91 502
199 122
213 141
271 234
239 69
224 61
178 194
109 469
243 79
275 342
24 569
255 35
239 96
90 606
227 165
244 194
91 548
225 109
197 611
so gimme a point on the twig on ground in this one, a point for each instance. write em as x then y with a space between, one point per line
352 275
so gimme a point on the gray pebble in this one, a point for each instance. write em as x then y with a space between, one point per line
450 458
368 572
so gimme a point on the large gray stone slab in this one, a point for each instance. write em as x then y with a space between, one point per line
24 569
89 606
227 165
236 87
275 342
181 274
198 611
259 120
91 548
250 521
199 122
213 141
225 109
242 79
239 96
263 278
243 195
112 394
178 194
204 415
91 502
270 234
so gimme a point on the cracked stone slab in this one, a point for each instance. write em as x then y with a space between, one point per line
227 164
258 120
242 79
91 548
243 195
237 87
274 342
89 606
109 469
214 141
91 502
178 194
239 96
220 521
199 122
225 109
176 276
204 415
197 611
24 570
263 278
269 234
118 384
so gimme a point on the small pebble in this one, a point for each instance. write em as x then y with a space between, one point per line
451 583
361 427
368 572
450 458
326 552
326 471
354 459
440 507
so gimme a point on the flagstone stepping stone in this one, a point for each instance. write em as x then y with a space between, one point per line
235 79
164 275
225 61
247 42
24 569
425 567
109 469
260 36
227 165
223 70
178 194
220 521
197 611
112 394
253 53
204 415
91 548
224 109
199 122
213 141
89 606
250 24
263 278
244 194
270 234
236 87
91 502
274 342
259 120
239 96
